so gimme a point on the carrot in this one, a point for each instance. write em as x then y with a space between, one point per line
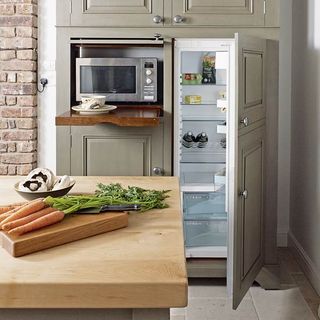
31 207
20 222
4 216
39 223
5 209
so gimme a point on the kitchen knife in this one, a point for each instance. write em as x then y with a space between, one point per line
112 208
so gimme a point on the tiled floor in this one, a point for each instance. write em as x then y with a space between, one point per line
296 300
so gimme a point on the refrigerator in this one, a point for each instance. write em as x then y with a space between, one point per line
219 152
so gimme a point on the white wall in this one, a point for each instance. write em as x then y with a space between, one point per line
284 120
305 148
47 99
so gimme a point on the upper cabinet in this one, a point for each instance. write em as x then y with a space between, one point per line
168 13
117 13
218 12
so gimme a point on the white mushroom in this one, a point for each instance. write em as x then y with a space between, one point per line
62 182
33 185
42 174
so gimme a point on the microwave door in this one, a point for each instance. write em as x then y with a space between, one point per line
119 82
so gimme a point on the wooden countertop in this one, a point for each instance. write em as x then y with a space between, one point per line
124 116
142 266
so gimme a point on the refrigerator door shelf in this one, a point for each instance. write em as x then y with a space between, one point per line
206 252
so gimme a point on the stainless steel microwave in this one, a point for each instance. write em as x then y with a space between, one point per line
120 79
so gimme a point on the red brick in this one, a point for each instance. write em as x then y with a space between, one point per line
25 32
27 101
30 9
12 124
18 158
7 54
18 65
3 76
7 32
18 43
27 55
27 146
26 123
17 88
13 21
24 169
12 147
12 77
11 100
11 112
12 170
26 76
3 169
3 124
6 9
19 135
3 147
28 112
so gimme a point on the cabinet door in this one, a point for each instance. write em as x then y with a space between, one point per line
251 58
248 219
116 13
219 12
112 151
246 183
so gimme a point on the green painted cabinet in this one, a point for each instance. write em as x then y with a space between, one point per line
218 12
248 242
117 13
104 150
168 13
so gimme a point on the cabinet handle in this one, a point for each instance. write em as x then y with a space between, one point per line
158 171
244 194
245 121
157 19
178 19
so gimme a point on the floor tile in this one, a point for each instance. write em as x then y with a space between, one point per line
280 304
219 309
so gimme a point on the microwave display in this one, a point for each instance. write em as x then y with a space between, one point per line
119 79
107 79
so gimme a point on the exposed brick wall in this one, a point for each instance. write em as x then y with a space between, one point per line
18 93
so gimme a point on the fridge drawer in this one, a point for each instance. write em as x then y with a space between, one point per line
204 205
211 150
203 173
205 233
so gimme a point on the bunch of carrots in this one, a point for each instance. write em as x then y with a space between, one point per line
30 216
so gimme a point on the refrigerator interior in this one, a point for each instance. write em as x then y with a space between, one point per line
201 144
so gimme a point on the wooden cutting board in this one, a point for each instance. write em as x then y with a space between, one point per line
71 228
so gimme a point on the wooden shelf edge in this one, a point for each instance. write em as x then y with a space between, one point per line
125 120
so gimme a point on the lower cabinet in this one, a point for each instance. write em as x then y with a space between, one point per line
250 216
115 151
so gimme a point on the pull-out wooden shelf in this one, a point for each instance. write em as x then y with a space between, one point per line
123 116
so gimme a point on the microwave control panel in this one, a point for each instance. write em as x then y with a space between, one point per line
149 79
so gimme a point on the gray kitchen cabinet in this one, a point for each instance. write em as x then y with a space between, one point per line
251 80
218 12
117 13
248 222
105 150
167 13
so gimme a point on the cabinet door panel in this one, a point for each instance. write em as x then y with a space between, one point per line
116 13
248 219
110 150
220 12
116 156
251 57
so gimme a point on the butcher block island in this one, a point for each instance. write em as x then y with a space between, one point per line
137 272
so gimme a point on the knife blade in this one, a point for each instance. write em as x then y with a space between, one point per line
111 208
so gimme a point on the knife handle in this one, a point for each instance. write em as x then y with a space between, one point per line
120 207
